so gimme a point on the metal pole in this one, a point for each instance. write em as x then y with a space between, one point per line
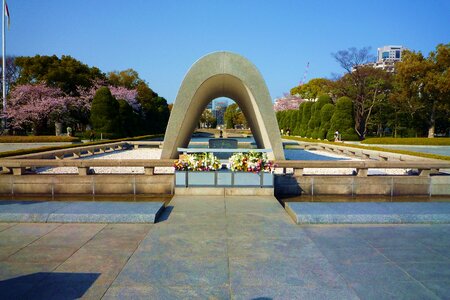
4 64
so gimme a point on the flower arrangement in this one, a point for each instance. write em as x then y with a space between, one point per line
251 162
197 162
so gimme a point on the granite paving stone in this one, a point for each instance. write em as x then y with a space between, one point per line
285 247
146 269
28 211
293 292
364 254
42 254
4 226
6 251
163 292
25 233
442 250
183 246
374 273
113 212
441 288
277 270
369 212
79 234
401 255
225 248
405 290
427 271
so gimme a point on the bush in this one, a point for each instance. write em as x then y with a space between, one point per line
326 113
50 148
408 141
38 139
316 119
342 121
311 121
299 120
306 115
105 116
419 154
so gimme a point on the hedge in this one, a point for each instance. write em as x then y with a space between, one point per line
50 148
38 139
405 152
408 141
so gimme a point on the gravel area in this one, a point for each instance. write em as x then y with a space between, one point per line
153 153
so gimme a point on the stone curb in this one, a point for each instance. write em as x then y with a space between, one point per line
369 213
80 212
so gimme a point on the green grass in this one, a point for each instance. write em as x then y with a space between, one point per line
405 152
38 139
50 148
408 141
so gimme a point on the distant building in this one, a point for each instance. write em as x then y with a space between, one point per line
387 56
219 111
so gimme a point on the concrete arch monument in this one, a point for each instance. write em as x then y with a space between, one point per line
223 74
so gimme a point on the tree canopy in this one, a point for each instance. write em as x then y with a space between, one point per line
65 73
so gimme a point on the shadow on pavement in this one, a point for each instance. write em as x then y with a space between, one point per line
45 285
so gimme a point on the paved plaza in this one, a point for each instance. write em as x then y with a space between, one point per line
224 248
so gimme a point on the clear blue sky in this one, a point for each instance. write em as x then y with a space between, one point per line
162 39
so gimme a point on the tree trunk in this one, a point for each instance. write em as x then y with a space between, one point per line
432 121
431 131
58 128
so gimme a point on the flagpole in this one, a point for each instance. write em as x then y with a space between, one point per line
4 64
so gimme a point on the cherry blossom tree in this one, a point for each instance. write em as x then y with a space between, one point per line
287 102
32 105
129 95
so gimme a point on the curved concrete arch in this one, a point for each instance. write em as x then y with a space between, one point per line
223 74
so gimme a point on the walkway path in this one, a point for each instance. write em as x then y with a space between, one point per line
224 248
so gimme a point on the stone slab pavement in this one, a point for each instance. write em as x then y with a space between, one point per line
224 248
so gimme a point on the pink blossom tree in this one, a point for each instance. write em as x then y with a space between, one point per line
128 95
32 105
287 102
119 92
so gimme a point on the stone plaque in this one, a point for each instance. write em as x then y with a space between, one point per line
223 144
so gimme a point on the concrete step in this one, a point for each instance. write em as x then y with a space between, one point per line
369 212
80 212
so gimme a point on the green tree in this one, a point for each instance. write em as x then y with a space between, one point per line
306 115
313 88
129 120
299 113
128 78
155 110
207 119
105 116
326 113
423 87
365 85
234 116
342 120
316 117
65 73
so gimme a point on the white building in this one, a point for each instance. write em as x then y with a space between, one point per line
390 53
387 56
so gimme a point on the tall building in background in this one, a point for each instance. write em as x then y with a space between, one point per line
219 111
387 56
390 53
